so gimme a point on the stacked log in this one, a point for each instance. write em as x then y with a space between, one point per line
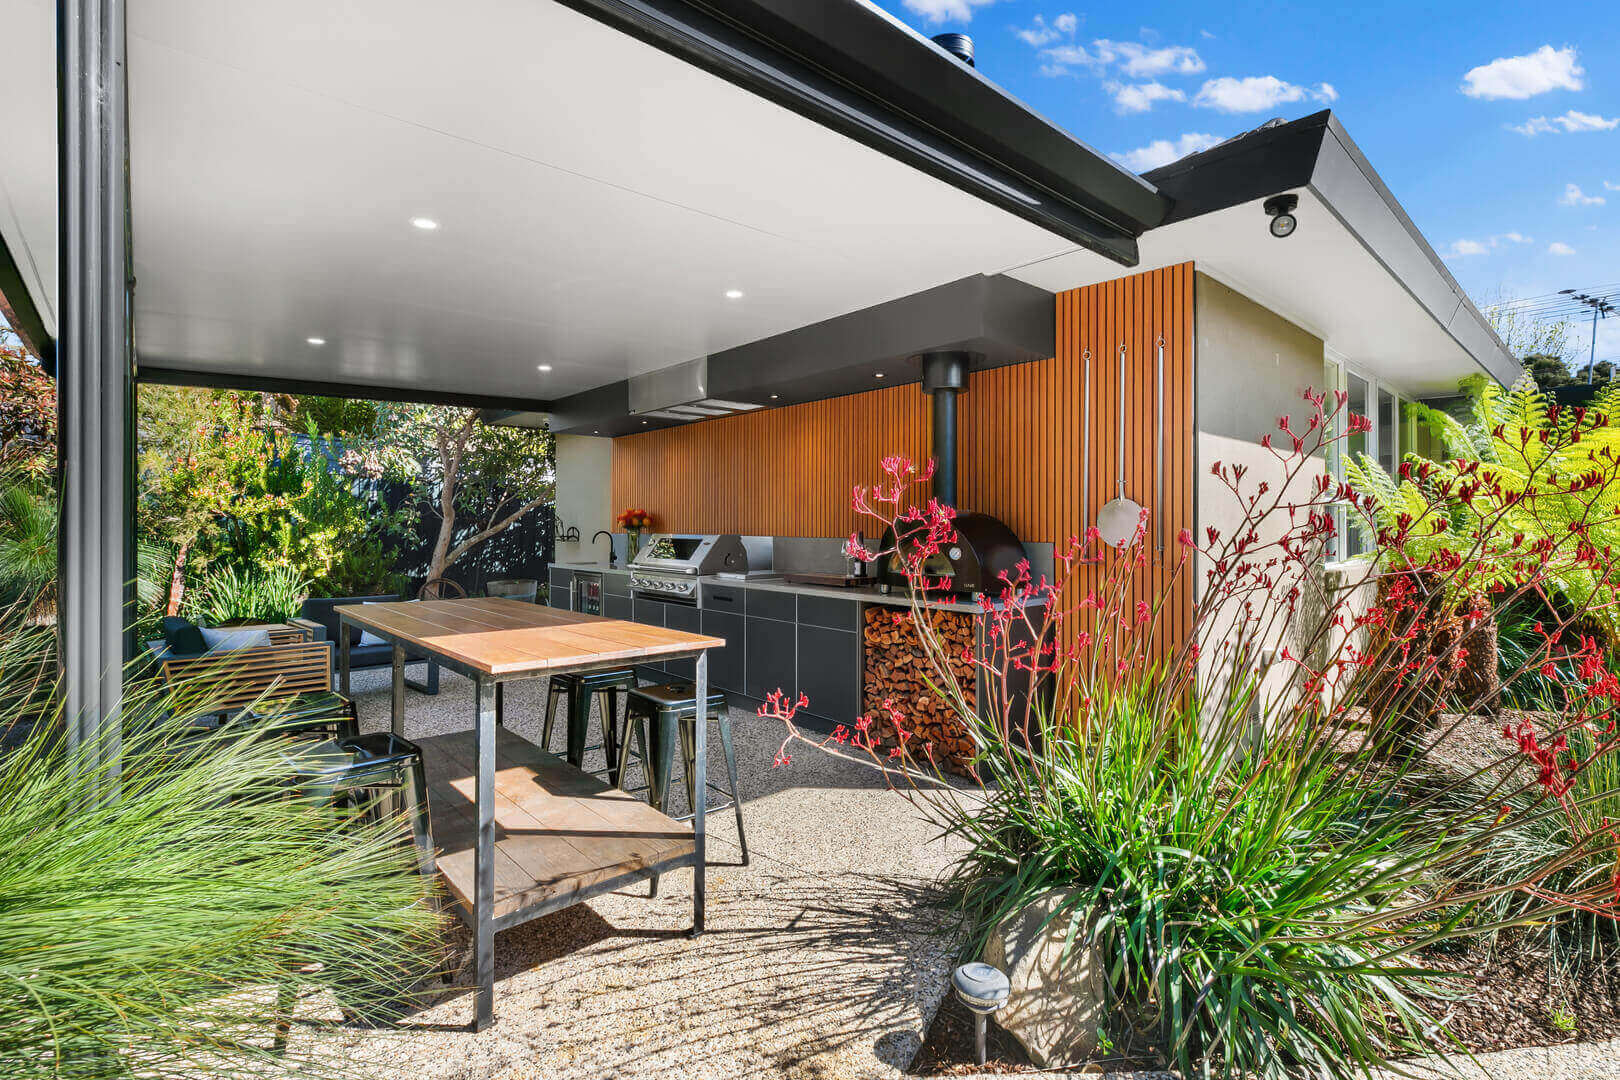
898 671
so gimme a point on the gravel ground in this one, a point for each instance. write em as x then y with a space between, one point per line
820 960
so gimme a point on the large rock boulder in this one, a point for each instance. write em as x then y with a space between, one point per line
1056 1008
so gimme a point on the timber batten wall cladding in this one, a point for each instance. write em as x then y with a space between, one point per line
789 471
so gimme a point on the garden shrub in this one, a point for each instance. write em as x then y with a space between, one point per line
1259 874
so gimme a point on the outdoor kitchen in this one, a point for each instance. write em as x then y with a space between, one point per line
805 616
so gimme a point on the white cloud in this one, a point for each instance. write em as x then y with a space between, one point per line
1574 196
1570 121
1520 77
1140 97
1610 185
1558 247
1141 61
940 10
1041 32
1461 249
1063 57
1164 151
1256 93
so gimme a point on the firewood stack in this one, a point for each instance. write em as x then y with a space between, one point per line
897 669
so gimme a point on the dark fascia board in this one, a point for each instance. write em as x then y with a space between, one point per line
1002 320
17 305
358 391
1240 170
777 49
870 50
1316 153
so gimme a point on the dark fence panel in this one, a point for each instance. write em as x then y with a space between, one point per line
524 550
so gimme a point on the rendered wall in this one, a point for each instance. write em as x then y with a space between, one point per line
584 467
1253 367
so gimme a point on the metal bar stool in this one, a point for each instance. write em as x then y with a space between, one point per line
579 689
359 771
671 704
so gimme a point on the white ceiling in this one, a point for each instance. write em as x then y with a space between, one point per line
597 197
1322 278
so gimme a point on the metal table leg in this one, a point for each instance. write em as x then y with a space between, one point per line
700 784
396 714
343 658
484 867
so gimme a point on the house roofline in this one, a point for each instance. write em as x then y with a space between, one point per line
1316 153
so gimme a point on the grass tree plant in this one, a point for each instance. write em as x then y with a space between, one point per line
1260 856
170 919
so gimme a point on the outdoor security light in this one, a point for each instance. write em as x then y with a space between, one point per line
1281 209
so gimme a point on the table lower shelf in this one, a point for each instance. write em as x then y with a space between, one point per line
560 834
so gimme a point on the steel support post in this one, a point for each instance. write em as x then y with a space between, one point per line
95 372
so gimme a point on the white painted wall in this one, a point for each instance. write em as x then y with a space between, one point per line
584 475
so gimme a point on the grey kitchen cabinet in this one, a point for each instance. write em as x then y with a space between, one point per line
650 612
830 671
616 583
560 589
688 620
615 606
769 653
833 612
724 598
771 604
726 665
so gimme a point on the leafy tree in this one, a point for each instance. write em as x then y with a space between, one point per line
482 479
1541 472
27 408
223 479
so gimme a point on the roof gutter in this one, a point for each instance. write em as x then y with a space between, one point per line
849 67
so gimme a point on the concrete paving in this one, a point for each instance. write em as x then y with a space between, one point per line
822 959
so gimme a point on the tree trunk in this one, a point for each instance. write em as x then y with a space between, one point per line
441 546
177 580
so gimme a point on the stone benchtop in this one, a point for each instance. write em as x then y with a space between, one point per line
863 595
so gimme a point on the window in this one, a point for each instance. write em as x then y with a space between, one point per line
1385 441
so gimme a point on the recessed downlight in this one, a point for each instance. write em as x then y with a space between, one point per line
775 396
734 294
316 340
879 375
426 224
543 367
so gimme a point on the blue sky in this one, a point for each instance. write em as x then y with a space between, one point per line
1497 127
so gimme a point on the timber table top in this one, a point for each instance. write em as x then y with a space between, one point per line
515 637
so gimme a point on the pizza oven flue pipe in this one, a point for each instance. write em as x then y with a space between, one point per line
944 376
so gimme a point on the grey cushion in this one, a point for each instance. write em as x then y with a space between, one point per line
227 640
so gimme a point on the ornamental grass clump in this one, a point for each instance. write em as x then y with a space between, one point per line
169 910
1233 775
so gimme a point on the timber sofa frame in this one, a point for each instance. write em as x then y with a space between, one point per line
292 665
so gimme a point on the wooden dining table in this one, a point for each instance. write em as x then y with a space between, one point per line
520 833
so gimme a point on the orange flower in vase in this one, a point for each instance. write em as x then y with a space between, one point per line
632 521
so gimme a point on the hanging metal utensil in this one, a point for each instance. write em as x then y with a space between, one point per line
1119 518
1158 466
1085 471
